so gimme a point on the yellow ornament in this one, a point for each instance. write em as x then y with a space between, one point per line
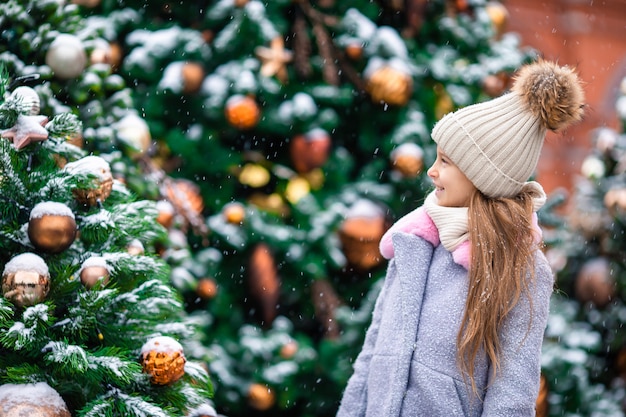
254 175
163 359
297 188
499 16
26 280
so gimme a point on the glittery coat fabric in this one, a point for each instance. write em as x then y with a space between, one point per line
408 366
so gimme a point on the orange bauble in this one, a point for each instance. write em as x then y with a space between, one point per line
242 112
261 397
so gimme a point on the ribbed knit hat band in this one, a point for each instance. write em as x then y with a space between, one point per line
497 143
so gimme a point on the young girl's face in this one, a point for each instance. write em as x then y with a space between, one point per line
452 187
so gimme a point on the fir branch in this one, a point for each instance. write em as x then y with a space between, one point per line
115 403
64 124
66 359
29 333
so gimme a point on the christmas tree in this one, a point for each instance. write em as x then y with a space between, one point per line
286 137
584 346
89 325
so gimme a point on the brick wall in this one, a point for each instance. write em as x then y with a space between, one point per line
590 35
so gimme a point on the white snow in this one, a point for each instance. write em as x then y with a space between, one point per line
162 344
26 262
42 394
50 208
90 165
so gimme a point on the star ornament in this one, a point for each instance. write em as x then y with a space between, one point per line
274 59
27 129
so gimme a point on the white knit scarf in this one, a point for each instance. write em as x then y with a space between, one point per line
452 222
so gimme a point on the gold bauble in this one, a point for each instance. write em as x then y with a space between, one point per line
166 215
261 397
499 16
615 201
52 227
242 112
234 213
135 247
595 283
26 280
408 160
94 270
193 75
102 183
163 359
31 400
289 350
360 234
390 86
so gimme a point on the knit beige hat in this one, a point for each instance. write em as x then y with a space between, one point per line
497 143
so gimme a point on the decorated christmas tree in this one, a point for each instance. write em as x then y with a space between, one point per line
89 325
584 365
286 137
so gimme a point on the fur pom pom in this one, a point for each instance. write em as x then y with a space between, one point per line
552 92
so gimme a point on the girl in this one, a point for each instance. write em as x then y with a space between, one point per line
458 326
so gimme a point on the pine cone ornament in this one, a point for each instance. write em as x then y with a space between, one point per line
390 86
242 112
263 282
163 359
52 227
102 185
26 280
31 400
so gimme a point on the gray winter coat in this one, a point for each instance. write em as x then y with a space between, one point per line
408 363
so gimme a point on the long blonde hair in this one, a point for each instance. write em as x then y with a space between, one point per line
501 270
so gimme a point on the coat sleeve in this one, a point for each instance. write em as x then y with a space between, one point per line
513 392
354 400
